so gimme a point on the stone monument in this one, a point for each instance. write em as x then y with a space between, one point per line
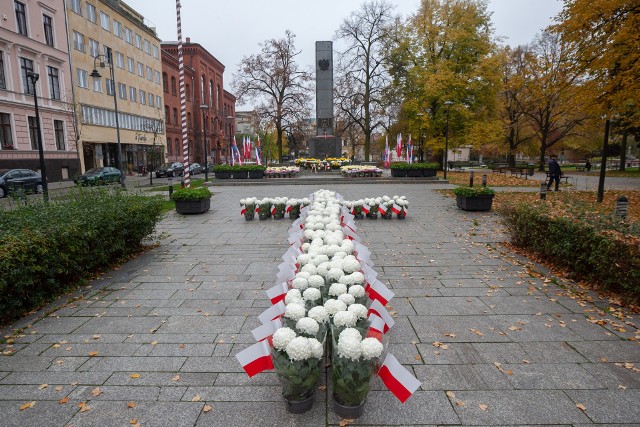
324 144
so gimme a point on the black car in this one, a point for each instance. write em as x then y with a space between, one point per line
15 179
195 168
99 176
170 169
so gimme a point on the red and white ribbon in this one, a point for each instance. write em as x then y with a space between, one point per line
376 327
379 292
272 313
396 209
243 210
277 292
265 331
256 358
382 209
378 309
398 379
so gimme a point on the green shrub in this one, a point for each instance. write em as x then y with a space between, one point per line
46 250
223 168
596 248
399 165
252 167
466 191
435 166
191 193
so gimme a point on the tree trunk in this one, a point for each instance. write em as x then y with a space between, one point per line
623 150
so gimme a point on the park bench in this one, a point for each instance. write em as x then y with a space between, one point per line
500 168
520 172
562 176
580 167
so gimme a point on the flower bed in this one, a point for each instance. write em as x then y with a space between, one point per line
334 162
282 171
360 171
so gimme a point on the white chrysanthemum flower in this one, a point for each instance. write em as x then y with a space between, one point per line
335 274
282 337
378 200
347 299
333 306
300 283
323 269
319 259
243 201
309 234
294 311
347 246
345 318
292 295
359 310
332 227
351 333
299 349
385 198
317 350
319 314
336 263
308 326
350 264
309 268
312 294
348 348
339 255
305 246
302 275
316 281
303 259
337 289
357 291
357 278
371 348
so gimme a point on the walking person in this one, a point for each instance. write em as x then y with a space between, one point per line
554 172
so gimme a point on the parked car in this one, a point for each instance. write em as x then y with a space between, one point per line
209 167
170 169
14 179
195 168
99 176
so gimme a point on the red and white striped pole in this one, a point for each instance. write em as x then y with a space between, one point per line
183 102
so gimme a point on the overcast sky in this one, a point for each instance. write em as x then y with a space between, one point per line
232 29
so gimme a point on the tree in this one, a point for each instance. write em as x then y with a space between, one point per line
361 72
274 80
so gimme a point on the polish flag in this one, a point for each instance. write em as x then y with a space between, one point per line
369 273
288 209
366 208
257 209
399 146
379 292
277 293
398 379
396 209
382 209
243 210
265 331
376 327
256 358
273 312
378 309
273 210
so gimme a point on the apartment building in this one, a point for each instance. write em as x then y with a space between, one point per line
208 102
111 38
33 41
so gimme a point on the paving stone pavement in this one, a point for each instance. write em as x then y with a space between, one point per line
154 341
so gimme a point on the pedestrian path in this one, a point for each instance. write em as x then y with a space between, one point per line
491 336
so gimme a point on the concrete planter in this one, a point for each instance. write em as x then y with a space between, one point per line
190 207
475 203
429 172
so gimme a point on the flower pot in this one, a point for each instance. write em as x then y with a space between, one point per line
402 215
359 216
222 175
414 173
257 174
350 412
299 406
189 207
398 172
263 215
249 216
429 172
372 214
388 214
278 215
475 203
240 174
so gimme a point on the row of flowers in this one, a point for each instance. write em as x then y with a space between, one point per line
282 171
327 295
334 161
275 208
360 171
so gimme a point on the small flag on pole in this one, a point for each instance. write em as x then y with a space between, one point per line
376 327
398 379
265 331
272 312
382 209
366 209
243 210
256 358
379 292
396 209
378 309
277 293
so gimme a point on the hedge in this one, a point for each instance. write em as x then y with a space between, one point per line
46 250
595 247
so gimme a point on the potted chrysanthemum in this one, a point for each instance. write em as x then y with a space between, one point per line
264 208
293 207
248 208
279 206
296 360
355 362
357 209
373 205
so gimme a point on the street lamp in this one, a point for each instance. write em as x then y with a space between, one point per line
420 115
230 120
446 138
107 61
43 170
204 108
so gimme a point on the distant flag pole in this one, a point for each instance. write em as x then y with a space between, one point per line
387 153
399 146
183 101
258 154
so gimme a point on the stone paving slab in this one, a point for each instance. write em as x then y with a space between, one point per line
470 320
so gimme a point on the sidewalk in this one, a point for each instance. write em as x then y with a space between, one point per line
154 341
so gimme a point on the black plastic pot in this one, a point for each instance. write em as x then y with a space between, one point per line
299 406
398 173
429 172
350 412
414 173
222 175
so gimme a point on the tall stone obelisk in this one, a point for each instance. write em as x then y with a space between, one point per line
324 144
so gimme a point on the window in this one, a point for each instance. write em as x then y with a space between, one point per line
76 6
58 129
156 76
97 84
156 52
119 60
33 133
166 114
210 92
26 66
147 47
138 41
158 101
173 86
78 41
218 97
21 18
94 48
107 52
151 100
165 83
122 90
202 88
54 82
131 65
143 97
177 146
117 28
188 92
110 87
104 21
6 138
140 69
149 74
128 35
91 12
83 78
133 94
175 116
3 82
48 29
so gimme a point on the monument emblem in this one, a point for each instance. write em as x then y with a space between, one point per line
324 64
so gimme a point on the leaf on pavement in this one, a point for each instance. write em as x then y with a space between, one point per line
131 405
93 353
83 407
451 394
196 398
27 405
176 378
96 391
483 407
43 386
63 400
581 406
207 408
135 376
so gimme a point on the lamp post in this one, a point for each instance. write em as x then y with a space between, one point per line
230 120
204 108
446 138
420 115
43 170
107 61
